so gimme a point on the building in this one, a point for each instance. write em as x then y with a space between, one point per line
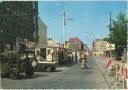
75 44
66 44
18 24
42 33
53 43
99 47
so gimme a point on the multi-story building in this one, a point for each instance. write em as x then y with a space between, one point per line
75 44
18 24
42 34
66 44
53 43
99 47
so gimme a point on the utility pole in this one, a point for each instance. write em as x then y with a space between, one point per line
110 34
110 29
63 22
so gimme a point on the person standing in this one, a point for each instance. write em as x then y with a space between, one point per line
76 57
83 60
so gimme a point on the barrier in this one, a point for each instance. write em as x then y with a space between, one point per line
109 66
119 72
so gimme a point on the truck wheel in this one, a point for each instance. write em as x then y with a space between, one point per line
53 69
13 73
29 74
49 69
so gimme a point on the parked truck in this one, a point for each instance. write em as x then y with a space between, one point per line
47 59
15 62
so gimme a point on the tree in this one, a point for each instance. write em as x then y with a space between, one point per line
119 33
106 39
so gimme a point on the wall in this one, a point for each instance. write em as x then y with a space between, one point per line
42 33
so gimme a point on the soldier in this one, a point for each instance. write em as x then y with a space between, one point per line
76 57
83 60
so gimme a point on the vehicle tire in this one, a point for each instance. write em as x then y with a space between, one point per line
29 70
53 69
49 69
29 74
13 73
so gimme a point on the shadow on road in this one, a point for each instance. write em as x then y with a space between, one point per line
58 70
33 77
68 65
23 76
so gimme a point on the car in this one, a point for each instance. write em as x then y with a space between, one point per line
47 59
13 63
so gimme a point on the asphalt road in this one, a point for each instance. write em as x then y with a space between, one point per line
66 77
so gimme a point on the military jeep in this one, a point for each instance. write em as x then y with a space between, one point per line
46 59
13 63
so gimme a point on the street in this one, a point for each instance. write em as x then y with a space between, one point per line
65 77
40 43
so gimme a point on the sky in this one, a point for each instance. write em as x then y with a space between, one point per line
90 18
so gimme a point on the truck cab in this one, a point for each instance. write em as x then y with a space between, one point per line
47 59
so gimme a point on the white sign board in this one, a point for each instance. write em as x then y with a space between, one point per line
111 47
102 46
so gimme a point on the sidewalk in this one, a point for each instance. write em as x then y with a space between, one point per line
102 61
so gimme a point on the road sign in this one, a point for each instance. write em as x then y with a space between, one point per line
111 47
102 46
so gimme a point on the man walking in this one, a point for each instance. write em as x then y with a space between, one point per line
83 59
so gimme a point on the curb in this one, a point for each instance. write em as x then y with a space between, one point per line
99 66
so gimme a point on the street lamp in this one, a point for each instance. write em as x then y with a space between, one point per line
64 19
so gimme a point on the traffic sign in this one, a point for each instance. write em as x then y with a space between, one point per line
111 47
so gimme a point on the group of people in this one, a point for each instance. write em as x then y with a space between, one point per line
73 57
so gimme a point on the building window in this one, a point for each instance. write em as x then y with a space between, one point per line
7 26
33 4
19 30
1 23
13 27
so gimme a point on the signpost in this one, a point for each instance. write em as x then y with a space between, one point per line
110 47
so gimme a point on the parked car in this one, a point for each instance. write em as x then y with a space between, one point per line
47 60
13 63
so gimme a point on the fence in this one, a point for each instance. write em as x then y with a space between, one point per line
118 70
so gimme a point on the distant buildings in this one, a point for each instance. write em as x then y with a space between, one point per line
18 24
99 47
66 44
42 34
74 44
53 43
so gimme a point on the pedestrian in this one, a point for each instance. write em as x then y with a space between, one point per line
76 57
86 54
83 57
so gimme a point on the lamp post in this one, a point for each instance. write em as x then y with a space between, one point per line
64 20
